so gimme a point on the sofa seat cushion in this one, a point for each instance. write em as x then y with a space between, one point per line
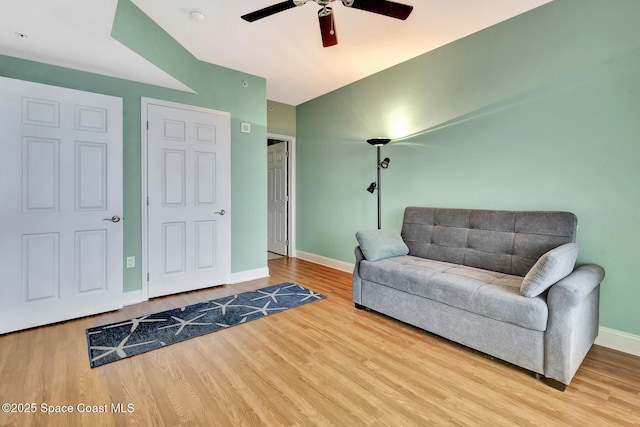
487 293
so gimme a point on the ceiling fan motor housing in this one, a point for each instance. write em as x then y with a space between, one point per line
325 11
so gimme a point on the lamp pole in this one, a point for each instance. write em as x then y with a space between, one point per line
379 142
379 188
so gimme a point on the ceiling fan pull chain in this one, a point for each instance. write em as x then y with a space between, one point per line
332 31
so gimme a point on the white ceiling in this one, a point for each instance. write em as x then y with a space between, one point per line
285 48
74 34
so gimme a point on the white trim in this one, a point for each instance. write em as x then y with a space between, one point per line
133 297
618 340
291 176
136 297
144 267
245 276
607 337
144 103
328 262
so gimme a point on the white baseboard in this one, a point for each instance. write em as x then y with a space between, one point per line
618 340
245 276
136 297
607 337
328 262
133 297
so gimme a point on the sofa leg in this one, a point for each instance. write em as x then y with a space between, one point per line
360 306
554 383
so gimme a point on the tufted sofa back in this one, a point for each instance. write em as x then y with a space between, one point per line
505 241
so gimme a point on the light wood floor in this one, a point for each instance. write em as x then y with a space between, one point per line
323 363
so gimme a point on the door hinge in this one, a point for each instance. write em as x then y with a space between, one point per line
286 242
147 200
147 277
147 124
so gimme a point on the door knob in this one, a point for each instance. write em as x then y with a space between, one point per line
114 218
220 212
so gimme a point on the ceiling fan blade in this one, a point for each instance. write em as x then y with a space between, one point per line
268 11
384 7
327 27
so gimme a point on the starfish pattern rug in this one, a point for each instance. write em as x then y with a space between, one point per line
116 341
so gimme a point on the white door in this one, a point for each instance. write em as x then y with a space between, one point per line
277 198
188 232
60 177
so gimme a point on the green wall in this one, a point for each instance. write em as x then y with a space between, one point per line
281 118
217 88
538 112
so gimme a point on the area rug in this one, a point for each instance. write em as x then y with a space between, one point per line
116 341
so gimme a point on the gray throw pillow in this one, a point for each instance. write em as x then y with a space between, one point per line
551 267
379 244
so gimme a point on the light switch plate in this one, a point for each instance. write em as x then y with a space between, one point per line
245 127
131 262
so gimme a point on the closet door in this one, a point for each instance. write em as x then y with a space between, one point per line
189 236
61 204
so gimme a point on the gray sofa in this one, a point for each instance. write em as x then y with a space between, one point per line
463 277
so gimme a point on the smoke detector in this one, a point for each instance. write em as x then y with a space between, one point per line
197 16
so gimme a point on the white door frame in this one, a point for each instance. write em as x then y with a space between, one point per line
144 262
291 177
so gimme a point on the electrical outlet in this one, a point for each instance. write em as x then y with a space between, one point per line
131 262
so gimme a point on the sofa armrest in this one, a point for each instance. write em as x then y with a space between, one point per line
573 321
573 289
356 282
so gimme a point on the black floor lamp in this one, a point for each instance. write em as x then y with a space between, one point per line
376 185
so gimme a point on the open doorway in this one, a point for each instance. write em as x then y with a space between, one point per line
279 193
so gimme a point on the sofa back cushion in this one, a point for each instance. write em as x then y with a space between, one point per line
506 241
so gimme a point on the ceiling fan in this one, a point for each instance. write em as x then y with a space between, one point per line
325 14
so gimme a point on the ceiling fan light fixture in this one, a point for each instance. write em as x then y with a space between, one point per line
327 27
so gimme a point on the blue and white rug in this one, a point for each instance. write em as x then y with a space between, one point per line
116 341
